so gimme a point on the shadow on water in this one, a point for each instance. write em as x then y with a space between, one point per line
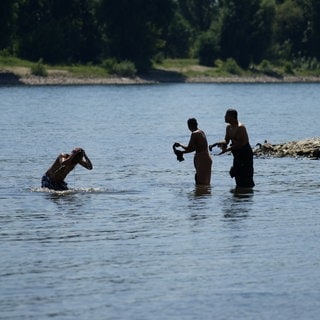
239 204
242 193
199 202
202 191
70 200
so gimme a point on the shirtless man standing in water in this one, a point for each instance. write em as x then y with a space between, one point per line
64 164
236 132
202 159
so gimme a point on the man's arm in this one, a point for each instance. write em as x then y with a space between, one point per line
221 144
191 145
86 162
66 159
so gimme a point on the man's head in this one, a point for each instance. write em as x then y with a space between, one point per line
78 154
192 124
231 113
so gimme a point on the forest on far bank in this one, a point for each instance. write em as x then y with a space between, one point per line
142 32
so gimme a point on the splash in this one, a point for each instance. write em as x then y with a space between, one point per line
81 190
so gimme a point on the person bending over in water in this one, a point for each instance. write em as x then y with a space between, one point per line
64 164
202 159
242 169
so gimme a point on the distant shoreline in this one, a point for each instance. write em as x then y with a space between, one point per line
9 78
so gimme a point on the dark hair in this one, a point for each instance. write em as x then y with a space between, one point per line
232 113
78 156
192 122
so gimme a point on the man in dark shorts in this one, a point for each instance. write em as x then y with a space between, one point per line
242 169
63 165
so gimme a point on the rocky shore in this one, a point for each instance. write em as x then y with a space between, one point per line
22 77
8 78
308 148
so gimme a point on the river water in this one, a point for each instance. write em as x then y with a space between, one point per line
134 238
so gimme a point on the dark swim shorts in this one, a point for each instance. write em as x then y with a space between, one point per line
46 182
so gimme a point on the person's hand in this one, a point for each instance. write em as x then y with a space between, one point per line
78 150
223 150
176 145
211 146
221 145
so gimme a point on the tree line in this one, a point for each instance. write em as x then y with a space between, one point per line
143 31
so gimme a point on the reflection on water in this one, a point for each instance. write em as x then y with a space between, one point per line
239 204
202 191
70 199
239 192
199 202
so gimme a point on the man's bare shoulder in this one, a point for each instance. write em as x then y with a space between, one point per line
199 134
242 127
64 155
195 133
228 127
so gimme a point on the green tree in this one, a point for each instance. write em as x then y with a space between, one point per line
290 27
178 37
199 13
311 9
315 29
245 30
263 32
134 29
208 48
56 30
7 22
